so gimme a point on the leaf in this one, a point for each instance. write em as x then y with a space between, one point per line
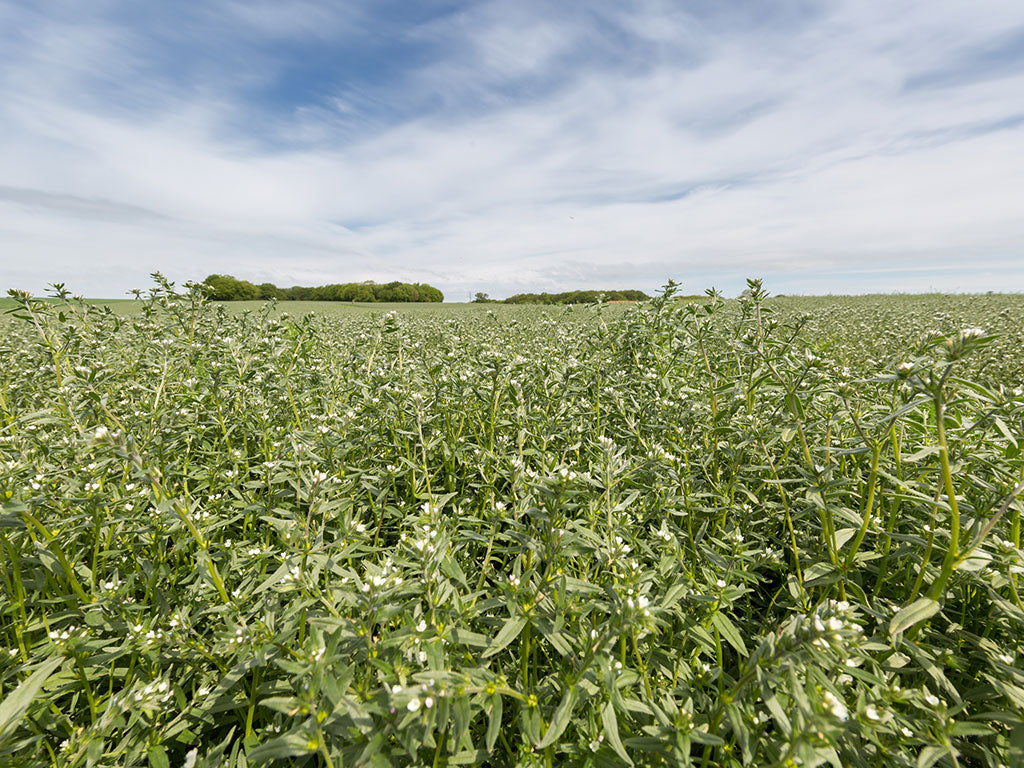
728 630
975 561
1006 432
673 593
739 728
703 737
508 633
820 574
560 719
969 728
158 757
15 705
919 610
843 535
928 450
611 731
648 744
494 726
557 639
465 637
286 705
286 745
781 719
272 579
930 755
1016 751
230 679
469 757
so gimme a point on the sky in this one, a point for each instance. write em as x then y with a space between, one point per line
506 146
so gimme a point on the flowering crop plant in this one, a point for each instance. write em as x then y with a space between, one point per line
749 532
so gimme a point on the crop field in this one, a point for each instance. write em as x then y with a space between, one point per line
762 531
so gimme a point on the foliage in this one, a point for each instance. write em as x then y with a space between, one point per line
576 297
228 288
754 532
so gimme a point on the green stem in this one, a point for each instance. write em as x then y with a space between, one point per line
953 552
869 504
890 524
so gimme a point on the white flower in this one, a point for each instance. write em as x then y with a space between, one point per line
413 705
190 758
422 626
101 432
836 707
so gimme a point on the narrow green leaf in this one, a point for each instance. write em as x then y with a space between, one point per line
843 535
465 637
508 633
286 745
287 705
930 755
611 731
469 757
15 705
968 728
919 610
703 737
728 630
928 450
560 719
820 574
1016 750
494 725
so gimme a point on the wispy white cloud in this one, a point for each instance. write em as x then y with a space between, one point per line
513 147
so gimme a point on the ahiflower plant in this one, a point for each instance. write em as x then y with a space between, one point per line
709 532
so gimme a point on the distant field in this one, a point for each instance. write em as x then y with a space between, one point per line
759 532
326 308
960 304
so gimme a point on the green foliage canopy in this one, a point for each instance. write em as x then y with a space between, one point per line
576 297
229 288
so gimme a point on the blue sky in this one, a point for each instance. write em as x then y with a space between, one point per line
841 146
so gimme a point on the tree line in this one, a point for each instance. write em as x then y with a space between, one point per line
228 288
568 297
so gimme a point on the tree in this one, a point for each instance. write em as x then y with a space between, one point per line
270 291
228 288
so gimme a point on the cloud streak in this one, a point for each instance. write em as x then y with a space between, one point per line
503 146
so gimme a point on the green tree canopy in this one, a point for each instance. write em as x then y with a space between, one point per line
229 288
